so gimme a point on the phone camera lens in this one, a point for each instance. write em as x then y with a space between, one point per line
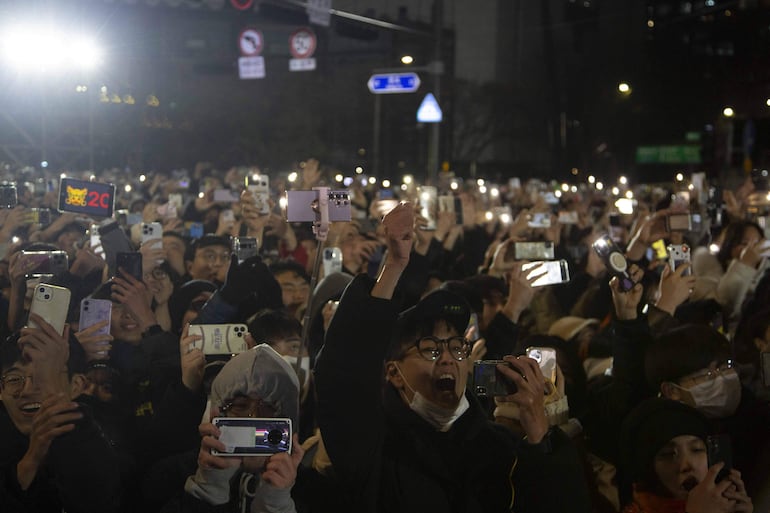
275 436
481 390
42 289
47 296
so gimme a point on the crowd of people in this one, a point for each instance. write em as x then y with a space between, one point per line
425 366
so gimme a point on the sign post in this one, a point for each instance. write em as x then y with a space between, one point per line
302 44
251 64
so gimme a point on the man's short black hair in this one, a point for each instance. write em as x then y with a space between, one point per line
682 351
204 242
284 266
269 325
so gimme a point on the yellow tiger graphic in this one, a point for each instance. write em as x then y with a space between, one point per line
76 197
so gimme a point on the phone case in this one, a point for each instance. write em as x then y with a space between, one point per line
131 262
93 311
719 449
679 254
533 250
219 338
245 247
260 189
151 231
248 436
332 261
52 304
546 359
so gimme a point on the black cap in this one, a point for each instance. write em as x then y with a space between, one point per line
439 304
649 427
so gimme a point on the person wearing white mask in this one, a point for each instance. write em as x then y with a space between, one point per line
417 440
691 364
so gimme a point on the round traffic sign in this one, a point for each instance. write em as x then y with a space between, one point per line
250 42
302 43
242 5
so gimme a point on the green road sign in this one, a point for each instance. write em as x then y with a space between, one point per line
682 154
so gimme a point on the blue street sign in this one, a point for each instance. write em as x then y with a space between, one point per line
393 83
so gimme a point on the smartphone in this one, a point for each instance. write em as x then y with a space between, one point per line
152 235
40 216
175 200
52 304
332 259
614 260
539 220
719 449
167 211
302 206
568 217
46 262
679 254
556 271
114 241
546 359
428 205
219 338
679 222
131 263
260 190
247 436
533 250
451 203
152 231
245 247
93 311
193 230
489 382
225 196
8 195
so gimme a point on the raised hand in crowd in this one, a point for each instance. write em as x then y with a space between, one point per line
525 373
136 297
520 290
627 302
648 231
96 344
193 361
675 288
710 496
86 261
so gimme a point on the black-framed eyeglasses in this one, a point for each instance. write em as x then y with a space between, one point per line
430 347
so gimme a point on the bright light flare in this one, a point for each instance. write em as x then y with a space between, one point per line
338 177
591 179
292 176
622 180
489 215
494 192
372 180
679 177
408 179
386 183
454 186
728 112
625 206
46 49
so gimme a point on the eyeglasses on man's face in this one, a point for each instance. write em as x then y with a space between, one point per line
430 347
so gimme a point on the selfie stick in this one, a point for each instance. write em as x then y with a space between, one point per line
321 231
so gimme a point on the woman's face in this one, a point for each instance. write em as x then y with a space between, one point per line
681 464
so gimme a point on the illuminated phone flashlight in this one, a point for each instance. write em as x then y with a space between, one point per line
283 202
293 176
489 216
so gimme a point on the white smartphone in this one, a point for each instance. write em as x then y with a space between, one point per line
332 259
539 220
152 234
679 254
52 304
428 206
259 187
555 272
219 338
93 311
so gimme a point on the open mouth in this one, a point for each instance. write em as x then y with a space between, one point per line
689 483
446 383
30 408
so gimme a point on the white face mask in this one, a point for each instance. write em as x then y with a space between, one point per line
719 397
304 370
439 417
